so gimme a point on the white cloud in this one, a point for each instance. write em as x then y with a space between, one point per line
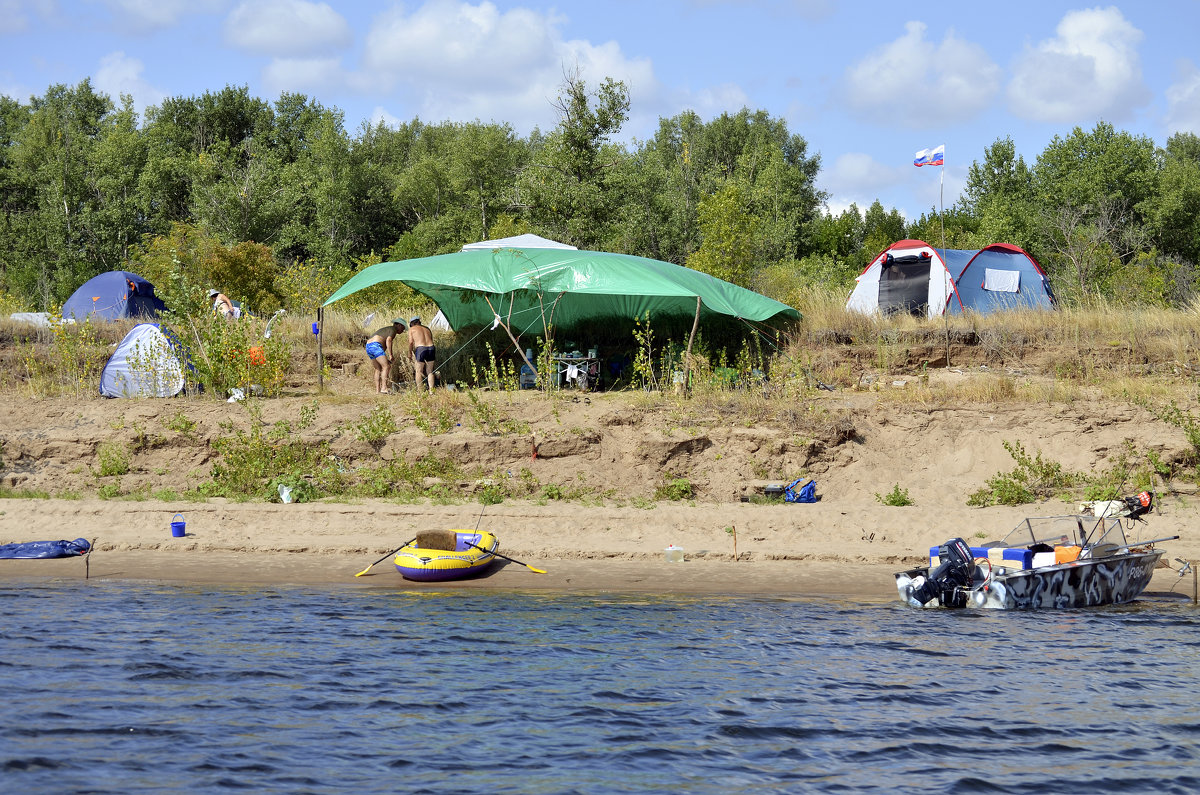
916 83
14 14
380 115
304 75
119 74
856 177
293 29
151 15
1090 69
12 17
1183 100
452 59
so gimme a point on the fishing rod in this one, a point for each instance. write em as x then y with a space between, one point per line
1152 542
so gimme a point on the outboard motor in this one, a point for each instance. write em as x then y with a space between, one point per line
951 580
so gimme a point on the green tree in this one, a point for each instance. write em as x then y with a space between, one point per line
566 184
1090 170
1000 195
881 228
839 237
730 236
484 160
1173 211
56 248
112 218
960 229
179 264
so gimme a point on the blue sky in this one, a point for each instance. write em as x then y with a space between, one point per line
865 83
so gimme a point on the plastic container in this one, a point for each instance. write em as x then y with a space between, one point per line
178 526
674 554
1066 554
528 377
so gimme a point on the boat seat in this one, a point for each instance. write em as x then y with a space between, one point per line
438 539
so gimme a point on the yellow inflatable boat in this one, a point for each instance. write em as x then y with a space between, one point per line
446 555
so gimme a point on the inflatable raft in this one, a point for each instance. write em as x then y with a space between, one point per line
446 555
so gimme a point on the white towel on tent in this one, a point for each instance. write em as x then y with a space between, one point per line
998 281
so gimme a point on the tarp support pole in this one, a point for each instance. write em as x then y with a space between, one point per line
687 364
320 350
508 331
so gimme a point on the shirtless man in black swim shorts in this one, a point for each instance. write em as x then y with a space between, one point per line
420 343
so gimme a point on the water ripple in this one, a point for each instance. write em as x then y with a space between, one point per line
145 688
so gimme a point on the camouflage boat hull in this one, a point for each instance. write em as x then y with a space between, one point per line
1082 583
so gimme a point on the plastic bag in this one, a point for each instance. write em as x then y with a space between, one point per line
806 492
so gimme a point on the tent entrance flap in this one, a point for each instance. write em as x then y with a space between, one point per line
904 286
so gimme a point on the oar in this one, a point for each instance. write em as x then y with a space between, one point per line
506 557
385 557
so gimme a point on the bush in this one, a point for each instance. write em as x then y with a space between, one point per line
376 426
1033 479
233 355
675 489
112 459
897 497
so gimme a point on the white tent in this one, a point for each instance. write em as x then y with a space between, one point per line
909 277
147 363
519 241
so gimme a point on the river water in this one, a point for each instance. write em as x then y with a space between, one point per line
133 687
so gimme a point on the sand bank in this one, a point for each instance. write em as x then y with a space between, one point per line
787 550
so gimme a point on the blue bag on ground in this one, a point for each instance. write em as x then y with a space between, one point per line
29 550
806 493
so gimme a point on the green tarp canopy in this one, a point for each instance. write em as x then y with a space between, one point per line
575 286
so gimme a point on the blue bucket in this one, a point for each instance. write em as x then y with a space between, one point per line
178 526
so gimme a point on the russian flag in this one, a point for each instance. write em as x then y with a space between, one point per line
930 157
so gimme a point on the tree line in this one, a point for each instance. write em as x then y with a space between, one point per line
278 204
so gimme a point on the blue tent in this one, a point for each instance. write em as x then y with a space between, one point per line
112 296
1001 276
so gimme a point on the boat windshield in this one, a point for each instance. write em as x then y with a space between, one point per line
1064 531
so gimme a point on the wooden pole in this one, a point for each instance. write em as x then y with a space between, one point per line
1195 593
320 350
687 359
508 331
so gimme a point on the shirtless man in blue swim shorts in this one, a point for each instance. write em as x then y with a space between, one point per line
420 343
379 351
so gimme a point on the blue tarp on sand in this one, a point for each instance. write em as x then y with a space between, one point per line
28 550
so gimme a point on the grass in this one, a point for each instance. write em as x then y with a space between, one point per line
1146 357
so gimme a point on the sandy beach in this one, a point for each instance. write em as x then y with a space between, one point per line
788 551
847 545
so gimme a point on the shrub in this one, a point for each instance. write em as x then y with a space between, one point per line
112 459
249 461
897 497
1033 478
675 489
376 426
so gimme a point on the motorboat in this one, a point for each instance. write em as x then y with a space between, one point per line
1079 560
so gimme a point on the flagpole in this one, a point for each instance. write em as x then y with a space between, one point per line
942 219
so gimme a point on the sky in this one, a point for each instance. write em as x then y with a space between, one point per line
866 84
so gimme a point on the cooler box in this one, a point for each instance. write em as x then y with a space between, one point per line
1018 558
